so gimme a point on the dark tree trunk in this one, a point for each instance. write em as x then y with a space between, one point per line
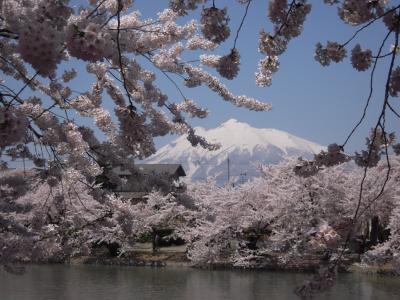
155 241
374 233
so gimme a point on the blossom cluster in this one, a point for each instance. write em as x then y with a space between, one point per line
112 40
192 109
87 41
228 65
284 215
288 23
182 6
13 126
333 51
356 12
215 85
394 85
215 24
361 59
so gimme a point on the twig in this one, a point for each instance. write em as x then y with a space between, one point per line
278 32
393 110
241 23
120 54
95 9
357 212
367 25
371 90
23 88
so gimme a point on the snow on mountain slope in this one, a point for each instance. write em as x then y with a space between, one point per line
245 146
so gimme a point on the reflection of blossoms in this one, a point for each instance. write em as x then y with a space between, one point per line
333 51
215 24
320 282
228 65
361 59
394 85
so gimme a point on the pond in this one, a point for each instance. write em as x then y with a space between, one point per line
65 282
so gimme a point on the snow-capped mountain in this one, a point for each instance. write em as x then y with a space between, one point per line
242 148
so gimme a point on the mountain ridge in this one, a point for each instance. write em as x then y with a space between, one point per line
242 144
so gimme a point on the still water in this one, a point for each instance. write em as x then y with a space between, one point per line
58 282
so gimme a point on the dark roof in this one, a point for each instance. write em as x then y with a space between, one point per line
161 169
172 169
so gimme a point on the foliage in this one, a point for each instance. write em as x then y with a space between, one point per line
284 217
54 222
60 211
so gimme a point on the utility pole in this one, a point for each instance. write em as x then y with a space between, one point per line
243 177
229 173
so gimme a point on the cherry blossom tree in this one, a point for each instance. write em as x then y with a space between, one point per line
284 215
122 52
112 40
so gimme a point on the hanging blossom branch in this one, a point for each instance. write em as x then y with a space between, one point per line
121 67
71 155
368 25
361 60
95 34
46 34
329 273
187 106
371 89
288 23
228 65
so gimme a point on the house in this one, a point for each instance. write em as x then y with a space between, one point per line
147 177
173 171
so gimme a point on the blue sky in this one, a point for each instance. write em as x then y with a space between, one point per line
318 103
321 104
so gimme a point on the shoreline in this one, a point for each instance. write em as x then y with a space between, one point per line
386 270
179 259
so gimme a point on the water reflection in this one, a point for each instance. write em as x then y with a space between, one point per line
123 283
